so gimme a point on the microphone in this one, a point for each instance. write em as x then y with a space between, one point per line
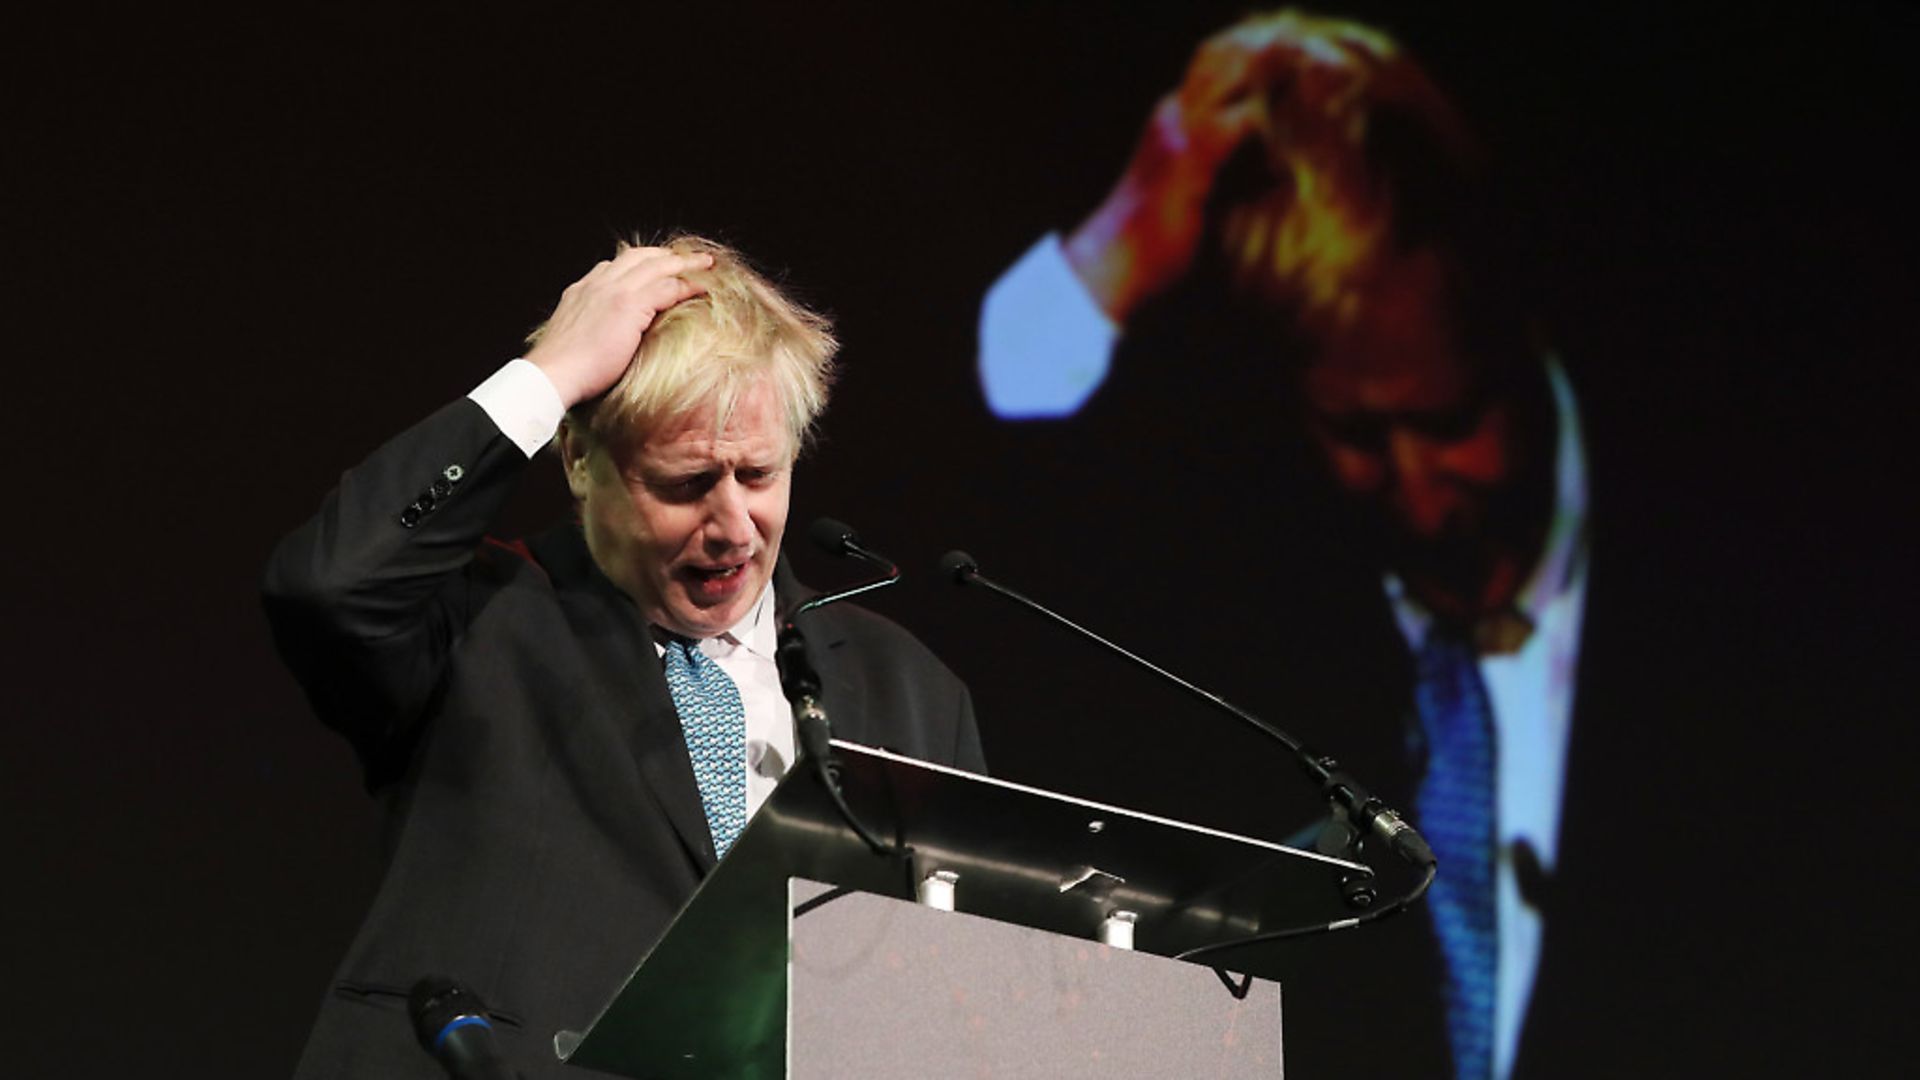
838 538
451 1023
798 680
832 535
797 677
801 683
1368 814
959 566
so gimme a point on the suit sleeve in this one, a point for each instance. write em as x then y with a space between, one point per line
368 596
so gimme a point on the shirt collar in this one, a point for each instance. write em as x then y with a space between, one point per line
756 633
1566 542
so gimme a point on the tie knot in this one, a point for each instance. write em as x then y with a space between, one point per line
1447 664
1447 638
679 650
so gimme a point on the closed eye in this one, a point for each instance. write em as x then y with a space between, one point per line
683 488
693 487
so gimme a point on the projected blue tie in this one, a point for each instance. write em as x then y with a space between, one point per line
715 724
1455 806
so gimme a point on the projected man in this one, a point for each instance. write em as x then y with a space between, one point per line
568 733
1310 170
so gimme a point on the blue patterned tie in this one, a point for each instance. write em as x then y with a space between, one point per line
715 724
1455 807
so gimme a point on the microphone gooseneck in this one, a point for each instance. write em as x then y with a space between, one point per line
1366 813
1369 813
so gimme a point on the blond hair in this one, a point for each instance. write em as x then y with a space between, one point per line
710 350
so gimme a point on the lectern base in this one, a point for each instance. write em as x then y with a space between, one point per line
881 989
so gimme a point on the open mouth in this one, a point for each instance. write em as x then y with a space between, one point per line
716 581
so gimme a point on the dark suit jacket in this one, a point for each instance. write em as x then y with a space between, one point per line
544 826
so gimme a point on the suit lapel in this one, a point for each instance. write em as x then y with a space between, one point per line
618 652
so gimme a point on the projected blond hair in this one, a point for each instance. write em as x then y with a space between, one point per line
1362 160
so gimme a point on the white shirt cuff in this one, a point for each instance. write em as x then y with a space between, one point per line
523 404
1044 344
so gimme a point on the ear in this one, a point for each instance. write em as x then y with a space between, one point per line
576 456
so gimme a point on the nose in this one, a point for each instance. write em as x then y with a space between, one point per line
729 523
1419 492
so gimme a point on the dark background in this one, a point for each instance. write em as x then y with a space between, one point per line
243 250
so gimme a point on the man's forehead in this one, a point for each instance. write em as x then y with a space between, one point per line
754 431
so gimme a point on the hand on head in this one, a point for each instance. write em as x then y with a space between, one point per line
586 345
1301 85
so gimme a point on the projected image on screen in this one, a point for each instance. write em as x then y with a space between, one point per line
1316 198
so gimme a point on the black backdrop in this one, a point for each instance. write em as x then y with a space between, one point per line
242 250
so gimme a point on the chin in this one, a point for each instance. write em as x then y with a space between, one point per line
701 624
713 621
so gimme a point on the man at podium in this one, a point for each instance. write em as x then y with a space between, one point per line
567 732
